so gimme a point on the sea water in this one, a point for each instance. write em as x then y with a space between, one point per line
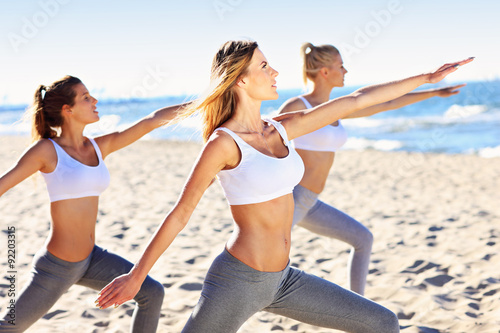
466 123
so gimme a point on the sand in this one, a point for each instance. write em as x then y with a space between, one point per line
435 219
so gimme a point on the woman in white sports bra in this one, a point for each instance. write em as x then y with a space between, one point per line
74 171
324 67
258 169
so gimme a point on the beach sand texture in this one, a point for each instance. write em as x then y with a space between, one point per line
435 219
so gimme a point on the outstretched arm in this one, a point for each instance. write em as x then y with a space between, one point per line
34 158
214 157
302 122
410 98
117 140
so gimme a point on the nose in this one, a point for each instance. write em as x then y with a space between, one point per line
275 72
95 100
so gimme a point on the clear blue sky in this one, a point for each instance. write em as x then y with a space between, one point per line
152 48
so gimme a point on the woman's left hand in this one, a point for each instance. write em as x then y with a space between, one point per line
119 291
449 91
446 69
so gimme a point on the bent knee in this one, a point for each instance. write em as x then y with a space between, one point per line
151 290
364 240
389 322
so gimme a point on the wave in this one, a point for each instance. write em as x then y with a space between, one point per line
489 152
464 111
470 114
360 144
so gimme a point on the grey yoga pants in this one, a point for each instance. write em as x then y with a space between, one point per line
233 292
323 219
51 277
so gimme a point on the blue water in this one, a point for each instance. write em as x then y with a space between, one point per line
467 123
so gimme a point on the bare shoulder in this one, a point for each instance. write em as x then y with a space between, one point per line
222 146
292 104
42 148
221 141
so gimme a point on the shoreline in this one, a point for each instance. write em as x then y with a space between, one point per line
434 218
492 152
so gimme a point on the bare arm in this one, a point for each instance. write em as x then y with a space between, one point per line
410 98
117 140
33 159
217 153
302 122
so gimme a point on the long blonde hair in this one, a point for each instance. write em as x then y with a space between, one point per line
217 105
316 57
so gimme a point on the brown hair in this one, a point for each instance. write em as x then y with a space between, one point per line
316 57
48 101
217 105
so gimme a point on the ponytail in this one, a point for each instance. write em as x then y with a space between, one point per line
46 110
316 57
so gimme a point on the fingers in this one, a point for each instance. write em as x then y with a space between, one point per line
107 297
465 61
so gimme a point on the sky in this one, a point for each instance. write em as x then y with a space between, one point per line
125 49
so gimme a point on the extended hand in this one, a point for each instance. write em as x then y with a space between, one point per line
120 290
446 69
449 91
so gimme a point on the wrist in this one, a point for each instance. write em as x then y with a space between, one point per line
426 77
136 274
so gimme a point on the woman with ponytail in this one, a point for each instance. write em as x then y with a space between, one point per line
323 66
258 170
74 170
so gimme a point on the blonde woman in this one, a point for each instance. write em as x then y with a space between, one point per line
258 170
323 66
74 171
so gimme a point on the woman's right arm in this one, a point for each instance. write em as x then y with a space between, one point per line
302 122
33 159
112 142
217 153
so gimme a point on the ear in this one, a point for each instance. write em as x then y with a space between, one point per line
241 82
324 72
66 110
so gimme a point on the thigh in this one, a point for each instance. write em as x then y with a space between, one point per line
232 292
328 221
105 266
310 299
304 200
51 277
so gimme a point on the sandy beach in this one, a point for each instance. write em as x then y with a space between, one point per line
435 219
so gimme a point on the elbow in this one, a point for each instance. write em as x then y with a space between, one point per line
178 219
358 101
178 224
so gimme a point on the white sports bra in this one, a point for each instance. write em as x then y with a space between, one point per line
258 177
72 179
328 138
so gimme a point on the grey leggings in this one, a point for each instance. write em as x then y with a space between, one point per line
320 218
233 292
52 277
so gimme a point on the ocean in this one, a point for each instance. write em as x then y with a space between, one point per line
466 123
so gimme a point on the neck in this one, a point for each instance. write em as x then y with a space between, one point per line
72 137
247 114
320 93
